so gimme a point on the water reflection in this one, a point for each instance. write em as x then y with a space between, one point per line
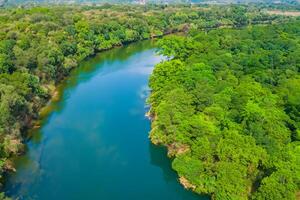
93 142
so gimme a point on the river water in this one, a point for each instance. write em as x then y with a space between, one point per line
93 144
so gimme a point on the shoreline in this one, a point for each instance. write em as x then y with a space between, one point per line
172 151
55 93
35 122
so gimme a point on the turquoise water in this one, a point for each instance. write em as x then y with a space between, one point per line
94 143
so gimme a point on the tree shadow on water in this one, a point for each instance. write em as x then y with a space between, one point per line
159 158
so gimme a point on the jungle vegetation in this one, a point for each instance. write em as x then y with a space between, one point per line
227 106
40 45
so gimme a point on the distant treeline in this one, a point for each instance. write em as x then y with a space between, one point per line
40 45
157 2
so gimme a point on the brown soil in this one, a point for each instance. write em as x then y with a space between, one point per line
177 149
9 166
186 184
298 195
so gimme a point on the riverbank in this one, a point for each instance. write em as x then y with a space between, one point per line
54 93
52 41
196 103
173 149
97 136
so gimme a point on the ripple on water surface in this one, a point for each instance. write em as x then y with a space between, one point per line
94 144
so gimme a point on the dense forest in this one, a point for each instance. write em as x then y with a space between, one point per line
227 106
253 69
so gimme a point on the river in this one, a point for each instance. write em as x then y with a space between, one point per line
93 144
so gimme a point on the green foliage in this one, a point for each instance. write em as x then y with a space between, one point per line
40 45
226 105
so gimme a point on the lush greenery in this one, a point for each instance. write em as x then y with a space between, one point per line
227 106
40 45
